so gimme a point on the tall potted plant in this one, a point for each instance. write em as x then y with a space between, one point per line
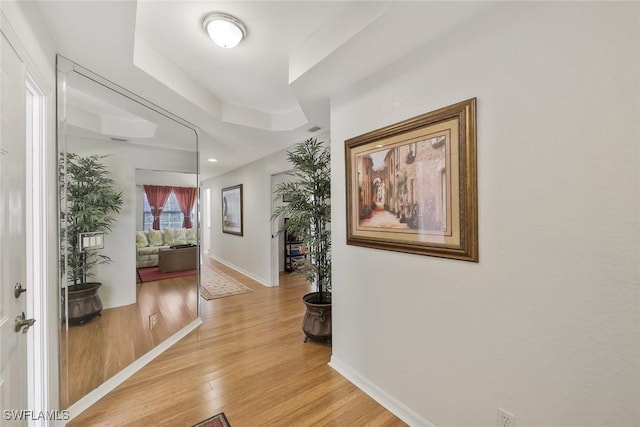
308 214
90 204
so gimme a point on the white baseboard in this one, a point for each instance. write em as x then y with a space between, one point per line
379 395
106 304
113 382
240 270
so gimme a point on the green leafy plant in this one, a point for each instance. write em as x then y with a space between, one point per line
308 211
89 204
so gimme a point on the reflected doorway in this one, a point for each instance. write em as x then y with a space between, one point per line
206 215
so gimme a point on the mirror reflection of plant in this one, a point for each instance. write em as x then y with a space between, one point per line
92 203
308 211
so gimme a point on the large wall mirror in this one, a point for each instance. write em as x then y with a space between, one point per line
129 249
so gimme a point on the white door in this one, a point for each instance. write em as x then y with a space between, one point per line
13 345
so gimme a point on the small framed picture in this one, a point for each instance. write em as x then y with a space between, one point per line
91 241
232 210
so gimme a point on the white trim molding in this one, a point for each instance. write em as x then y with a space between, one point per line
240 270
38 270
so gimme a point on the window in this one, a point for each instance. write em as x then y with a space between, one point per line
170 217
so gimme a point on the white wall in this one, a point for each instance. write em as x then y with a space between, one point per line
547 324
161 177
250 253
119 277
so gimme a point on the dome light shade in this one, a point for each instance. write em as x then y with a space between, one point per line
225 30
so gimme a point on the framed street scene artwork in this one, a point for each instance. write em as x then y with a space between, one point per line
412 186
232 210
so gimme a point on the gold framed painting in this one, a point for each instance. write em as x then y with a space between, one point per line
412 186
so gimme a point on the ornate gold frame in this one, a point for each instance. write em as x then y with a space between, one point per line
412 186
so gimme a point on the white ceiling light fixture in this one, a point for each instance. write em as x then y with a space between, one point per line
225 30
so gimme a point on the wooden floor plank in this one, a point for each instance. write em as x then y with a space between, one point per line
248 360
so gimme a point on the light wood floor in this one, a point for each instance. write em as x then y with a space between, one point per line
106 344
248 360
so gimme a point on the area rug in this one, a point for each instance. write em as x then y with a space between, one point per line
219 420
150 274
217 284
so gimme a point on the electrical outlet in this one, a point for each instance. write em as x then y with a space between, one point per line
153 320
505 419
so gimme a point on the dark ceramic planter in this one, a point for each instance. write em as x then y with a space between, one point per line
84 303
316 324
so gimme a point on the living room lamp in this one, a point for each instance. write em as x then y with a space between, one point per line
225 30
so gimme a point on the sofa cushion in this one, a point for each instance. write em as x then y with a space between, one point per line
174 236
142 239
190 234
147 261
150 250
155 238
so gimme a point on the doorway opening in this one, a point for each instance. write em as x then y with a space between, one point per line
277 239
206 213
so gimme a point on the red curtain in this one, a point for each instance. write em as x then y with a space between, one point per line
186 197
157 196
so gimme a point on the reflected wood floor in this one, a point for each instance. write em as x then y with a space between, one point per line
108 343
249 360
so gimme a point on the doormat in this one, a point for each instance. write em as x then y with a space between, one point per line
150 274
217 284
219 420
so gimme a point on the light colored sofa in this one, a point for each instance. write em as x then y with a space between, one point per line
149 243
